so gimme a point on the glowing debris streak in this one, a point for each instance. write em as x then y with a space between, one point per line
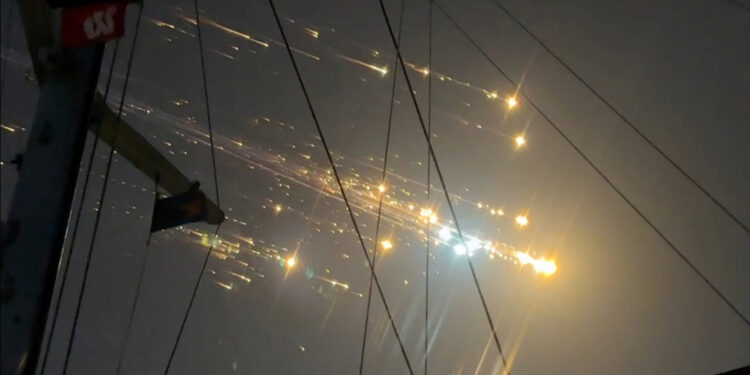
541 265
399 208
226 29
383 70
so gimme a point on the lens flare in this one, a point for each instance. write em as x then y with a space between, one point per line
445 234
520 141
386 244
474 244
460 249
522 220
541 265
512 102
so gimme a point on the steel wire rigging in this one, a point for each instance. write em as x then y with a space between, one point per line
97 220
382 188
624 119
445 189
216 188
601 174
63 274
341 186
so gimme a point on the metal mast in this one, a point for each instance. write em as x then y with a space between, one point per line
35 230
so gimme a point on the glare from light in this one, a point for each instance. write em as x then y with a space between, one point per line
445 234
290 262
522 220
541 265
524 258
386 244
381 188
474 244
277 208
433 219
520 140
512 102
460 249
546 267
425 212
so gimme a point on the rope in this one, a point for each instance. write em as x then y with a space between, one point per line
429 188
341 186
380 201
101 196
602 175
445 189
142 270
74 235
216 186
624 119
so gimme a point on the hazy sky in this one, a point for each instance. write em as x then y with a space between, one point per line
621 302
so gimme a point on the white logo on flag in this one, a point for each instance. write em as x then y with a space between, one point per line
100 23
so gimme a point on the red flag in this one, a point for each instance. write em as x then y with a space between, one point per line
96 23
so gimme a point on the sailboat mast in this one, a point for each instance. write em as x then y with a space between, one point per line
33 238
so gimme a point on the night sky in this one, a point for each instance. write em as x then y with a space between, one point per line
620 301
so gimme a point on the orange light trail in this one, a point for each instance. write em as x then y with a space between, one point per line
382 70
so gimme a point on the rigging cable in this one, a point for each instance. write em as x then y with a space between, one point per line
138 284
216 187
79 211
340 185
624 119
445 189
601 174
429 186
383 180
103 192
